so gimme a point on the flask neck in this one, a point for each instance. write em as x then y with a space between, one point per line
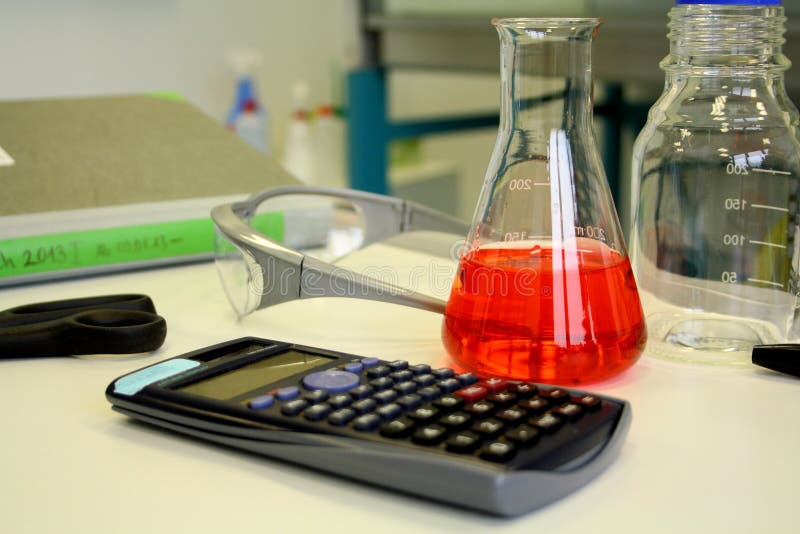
733 40
546 76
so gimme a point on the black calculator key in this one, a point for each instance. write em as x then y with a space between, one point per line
430 435
341 417
569 411
389 411
456 421
398 428
429 393
501 398
511 415
420 369
366 422
294 407
398 365
364 406
555 396
340 400
378 371
316 396
523 390
548 423
361 391
318 412
385 397
498 451
443 373
523 435
488 428
409 402
448 403
463 442
534 406
480 409
449 385
405 388
589 402
381 383
425 380
402 376
467 379
424 414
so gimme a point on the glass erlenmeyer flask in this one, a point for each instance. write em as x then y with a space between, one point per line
544 290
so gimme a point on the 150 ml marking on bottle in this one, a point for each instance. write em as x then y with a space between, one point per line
5 159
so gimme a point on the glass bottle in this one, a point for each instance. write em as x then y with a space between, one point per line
715 182
544 290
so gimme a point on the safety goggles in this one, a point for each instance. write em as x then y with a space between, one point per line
280 245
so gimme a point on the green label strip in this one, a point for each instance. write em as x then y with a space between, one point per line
127 244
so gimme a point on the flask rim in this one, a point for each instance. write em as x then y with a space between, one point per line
539 22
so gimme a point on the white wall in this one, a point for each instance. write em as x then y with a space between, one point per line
55 48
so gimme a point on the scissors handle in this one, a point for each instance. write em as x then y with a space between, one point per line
116 324
56 309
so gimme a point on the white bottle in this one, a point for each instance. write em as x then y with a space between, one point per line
248 117
328 148
298 157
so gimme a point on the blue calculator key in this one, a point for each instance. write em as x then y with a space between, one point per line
390 411
294 407
444 372
420 369
370 362
361 391
259 403
331 380
398 365
467 379
429 393
318 412
364 406
381 383
402 376
341 417
367 422
340 400
449 385
385 397
354 367
288 393
405 388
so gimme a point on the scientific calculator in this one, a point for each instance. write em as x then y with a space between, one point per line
501 447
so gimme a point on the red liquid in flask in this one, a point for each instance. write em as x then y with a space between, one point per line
567 314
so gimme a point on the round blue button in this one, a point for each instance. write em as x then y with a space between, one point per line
331 380
287 393
354 367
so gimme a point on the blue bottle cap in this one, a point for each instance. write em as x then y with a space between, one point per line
730 2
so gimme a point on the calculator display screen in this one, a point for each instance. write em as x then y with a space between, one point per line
255 375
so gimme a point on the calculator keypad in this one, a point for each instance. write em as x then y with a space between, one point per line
492 419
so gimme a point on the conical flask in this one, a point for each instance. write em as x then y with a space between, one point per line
544 290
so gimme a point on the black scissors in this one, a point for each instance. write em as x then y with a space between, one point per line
112 324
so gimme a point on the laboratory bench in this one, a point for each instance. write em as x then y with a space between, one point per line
710 449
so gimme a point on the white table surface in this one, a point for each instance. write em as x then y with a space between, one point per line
709 450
